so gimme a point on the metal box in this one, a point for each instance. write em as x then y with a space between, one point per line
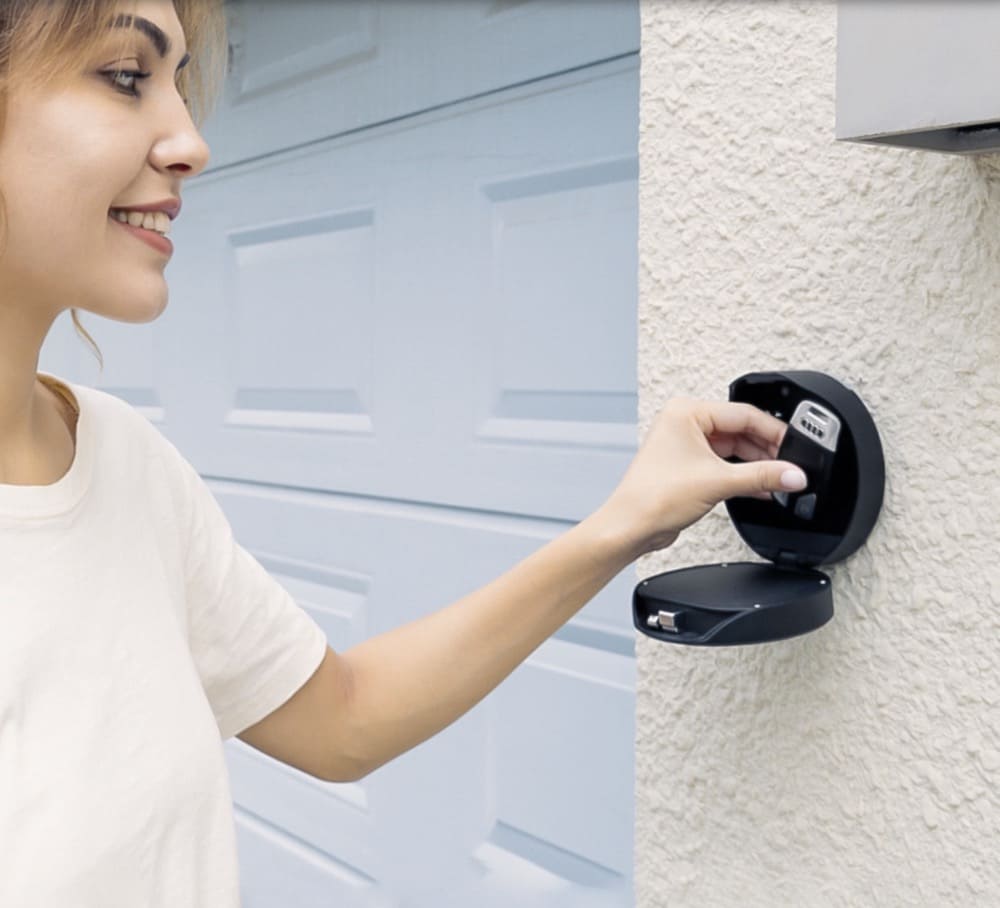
919 74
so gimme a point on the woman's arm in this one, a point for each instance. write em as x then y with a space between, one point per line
397 689
411 682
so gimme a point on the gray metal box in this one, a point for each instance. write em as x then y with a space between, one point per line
919 74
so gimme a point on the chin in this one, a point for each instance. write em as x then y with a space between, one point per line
149 316
131 314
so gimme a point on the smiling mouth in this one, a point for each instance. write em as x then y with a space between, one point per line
155 222
157 240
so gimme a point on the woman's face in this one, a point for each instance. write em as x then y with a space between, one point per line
70 154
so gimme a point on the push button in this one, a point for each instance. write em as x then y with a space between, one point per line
805 507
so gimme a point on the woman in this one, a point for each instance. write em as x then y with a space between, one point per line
135 634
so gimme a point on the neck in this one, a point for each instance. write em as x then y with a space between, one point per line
21 338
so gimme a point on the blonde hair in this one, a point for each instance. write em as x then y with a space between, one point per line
45 41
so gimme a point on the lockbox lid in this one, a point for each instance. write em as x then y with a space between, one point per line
846 512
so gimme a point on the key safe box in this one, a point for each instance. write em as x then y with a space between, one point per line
786 595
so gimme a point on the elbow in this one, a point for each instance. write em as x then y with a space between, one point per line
347 769
345 760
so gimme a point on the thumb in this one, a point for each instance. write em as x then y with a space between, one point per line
763 476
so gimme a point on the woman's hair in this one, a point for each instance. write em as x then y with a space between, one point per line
45 41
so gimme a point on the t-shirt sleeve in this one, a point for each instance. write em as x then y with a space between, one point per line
252 644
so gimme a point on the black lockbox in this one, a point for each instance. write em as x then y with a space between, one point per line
757 602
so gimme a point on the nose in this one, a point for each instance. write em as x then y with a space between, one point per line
180 148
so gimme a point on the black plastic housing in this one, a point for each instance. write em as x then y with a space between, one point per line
741 603
848 509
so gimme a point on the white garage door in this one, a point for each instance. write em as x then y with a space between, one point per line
401 345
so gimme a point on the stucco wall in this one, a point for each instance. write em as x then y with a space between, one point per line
858 765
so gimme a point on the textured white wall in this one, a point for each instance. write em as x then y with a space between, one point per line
858 765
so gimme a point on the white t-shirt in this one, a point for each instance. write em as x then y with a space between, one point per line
135 635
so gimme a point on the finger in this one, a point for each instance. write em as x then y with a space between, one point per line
749 479
718 417
742 447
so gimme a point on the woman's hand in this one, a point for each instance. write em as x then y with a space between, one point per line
679 474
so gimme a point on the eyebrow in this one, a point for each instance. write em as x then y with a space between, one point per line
152 31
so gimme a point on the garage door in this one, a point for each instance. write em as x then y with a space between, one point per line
401 347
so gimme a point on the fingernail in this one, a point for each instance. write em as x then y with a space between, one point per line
794 480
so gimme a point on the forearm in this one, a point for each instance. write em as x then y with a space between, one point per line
409 683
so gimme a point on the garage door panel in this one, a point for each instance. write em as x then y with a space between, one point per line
515 848
361 62
562 307
510 879
558 242
279 272
335 819
278 52
432 809
567 701
278 871
605 622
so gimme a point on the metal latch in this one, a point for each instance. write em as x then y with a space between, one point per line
667 621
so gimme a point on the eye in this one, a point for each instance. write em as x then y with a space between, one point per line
125 80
